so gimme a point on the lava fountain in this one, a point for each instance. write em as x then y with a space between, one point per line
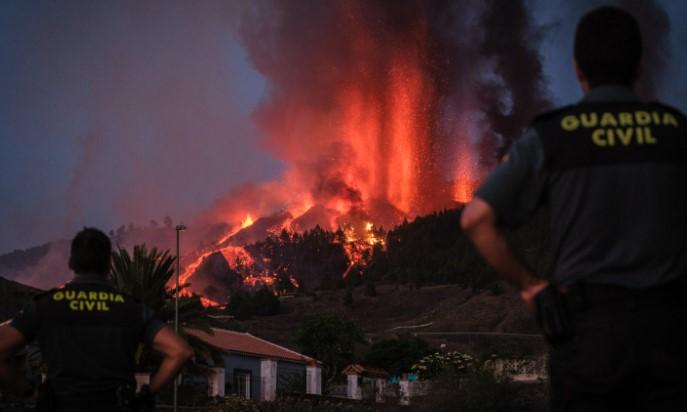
380 110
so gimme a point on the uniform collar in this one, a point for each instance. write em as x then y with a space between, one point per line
610 93
89 278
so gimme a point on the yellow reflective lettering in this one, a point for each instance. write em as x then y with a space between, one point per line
669 120
597 137
625 135
70 294
102 295
626 119
93 295
89 305
610 137
102 307
119 298
570 123
607 119
74 305
57 296
81 295
655 118
640 135
650 139
589 119
643 118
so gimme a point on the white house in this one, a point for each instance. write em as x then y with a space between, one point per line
258 369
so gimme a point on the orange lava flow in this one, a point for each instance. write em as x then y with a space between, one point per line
255 280
209 303
359 246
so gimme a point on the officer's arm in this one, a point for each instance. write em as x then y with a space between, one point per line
479 223
176 352
11 340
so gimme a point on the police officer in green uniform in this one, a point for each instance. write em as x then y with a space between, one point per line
612 170
88 333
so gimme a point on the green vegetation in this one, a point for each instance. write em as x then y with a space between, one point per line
243 305
145 274
438 363
477 389
396 356
315 257
430 250
330 340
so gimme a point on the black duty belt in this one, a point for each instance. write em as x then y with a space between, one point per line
592 293
79 403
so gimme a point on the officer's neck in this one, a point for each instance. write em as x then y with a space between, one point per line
84 277
586 87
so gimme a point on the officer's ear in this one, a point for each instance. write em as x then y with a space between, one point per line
581 77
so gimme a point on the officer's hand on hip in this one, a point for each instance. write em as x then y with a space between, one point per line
530 292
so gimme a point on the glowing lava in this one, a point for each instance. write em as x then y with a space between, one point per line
359 245
247 222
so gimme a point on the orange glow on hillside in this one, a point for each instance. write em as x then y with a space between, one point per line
248 221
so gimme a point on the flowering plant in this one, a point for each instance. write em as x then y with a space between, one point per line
434 364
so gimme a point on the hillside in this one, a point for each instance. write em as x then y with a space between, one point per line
460 318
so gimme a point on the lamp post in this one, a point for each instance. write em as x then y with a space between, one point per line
179 229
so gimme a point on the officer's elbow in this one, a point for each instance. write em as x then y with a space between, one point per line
181 352
184 353
476 214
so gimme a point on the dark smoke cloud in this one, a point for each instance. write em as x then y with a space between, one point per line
480 61
512 40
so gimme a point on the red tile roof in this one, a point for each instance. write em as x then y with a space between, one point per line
357 369
247 344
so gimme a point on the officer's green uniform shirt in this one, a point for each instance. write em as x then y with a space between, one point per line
613 172
88 334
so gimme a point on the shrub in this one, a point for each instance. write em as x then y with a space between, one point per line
437 363
397 356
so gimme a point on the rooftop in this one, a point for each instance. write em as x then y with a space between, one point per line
357 369
247 344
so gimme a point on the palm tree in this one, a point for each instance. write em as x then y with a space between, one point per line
145 274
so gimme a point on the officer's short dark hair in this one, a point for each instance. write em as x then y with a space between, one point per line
608 46
91 252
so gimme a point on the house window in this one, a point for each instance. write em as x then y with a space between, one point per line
242 380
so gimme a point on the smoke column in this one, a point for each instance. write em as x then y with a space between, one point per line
392 108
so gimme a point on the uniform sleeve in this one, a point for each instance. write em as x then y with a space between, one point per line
26 321
151 325
516 189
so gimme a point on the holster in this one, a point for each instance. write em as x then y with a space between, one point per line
145 402
45 402
126 398
554 316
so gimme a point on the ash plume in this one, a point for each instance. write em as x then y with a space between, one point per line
392 103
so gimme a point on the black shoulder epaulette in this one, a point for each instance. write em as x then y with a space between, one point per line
45 293
668 108
549 115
